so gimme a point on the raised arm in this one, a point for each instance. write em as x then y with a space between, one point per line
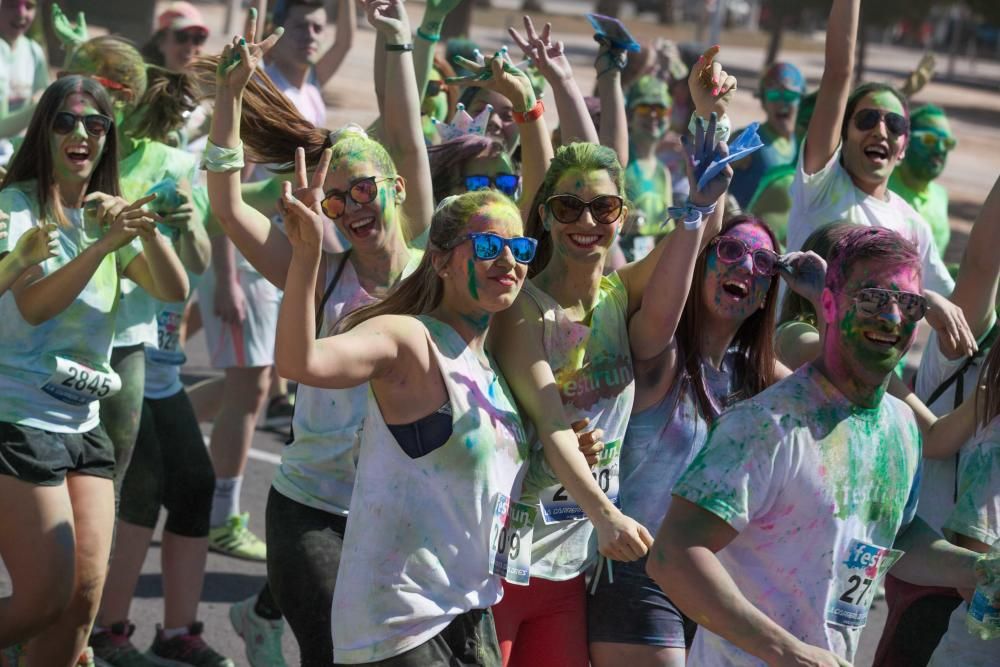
402 132
549 57
652 328
427 37
614 119
684 564
823 136
516 342
261 243
976 287
343 39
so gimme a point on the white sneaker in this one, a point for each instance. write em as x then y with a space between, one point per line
261 636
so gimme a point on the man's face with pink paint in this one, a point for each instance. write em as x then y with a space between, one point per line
16 17
870 341
736 290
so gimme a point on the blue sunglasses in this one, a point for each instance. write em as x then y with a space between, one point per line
487 245
505 183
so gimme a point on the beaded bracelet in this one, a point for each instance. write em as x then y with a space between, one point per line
222 160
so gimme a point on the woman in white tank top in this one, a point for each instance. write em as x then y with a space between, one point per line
416 576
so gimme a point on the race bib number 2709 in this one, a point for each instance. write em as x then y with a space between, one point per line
510 540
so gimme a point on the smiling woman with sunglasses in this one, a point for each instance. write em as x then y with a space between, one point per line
57 324
437 410
854 142
472 162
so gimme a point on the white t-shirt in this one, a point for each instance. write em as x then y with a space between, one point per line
938 482
23 72
81 335
308 99
817 488
830 195
977 515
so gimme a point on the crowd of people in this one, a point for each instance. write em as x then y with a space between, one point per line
625 392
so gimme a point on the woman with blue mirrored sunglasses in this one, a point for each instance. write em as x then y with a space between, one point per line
487 245
505 183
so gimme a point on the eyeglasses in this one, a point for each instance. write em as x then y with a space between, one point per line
782 95
196 37
567 208
730 250
873 300
96 125
654 110
436 87
487 246
867 119
505 183
362 191
932 139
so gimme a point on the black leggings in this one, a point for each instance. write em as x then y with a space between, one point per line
120 413
303 555
170 467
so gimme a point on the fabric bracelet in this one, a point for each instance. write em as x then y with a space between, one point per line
690 214
399 47
428 37
222 160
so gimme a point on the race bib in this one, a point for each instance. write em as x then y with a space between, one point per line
557 505
168 352
857 578
510 540
79 384
642 246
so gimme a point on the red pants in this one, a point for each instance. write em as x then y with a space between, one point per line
918 618
544 623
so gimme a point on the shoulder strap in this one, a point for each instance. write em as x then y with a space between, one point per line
329 290
985 344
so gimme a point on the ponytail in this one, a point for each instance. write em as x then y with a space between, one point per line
168 98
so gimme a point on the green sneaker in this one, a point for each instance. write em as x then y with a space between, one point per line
187 649
233 538
262 636
113 648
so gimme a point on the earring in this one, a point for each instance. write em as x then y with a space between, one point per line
444 274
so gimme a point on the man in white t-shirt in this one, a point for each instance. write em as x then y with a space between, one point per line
24 73
854 142
805 494
947 376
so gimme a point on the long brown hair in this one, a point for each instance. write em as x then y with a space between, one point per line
421 291
753 344
988 391
33 160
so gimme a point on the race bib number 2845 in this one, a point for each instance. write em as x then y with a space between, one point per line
78 384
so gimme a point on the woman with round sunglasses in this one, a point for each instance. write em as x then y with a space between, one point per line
56 332
853 144
380 204
442 445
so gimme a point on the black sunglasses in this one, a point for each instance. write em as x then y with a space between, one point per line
867 119
505 183
567 208
436 87
196 37
96 125
362 191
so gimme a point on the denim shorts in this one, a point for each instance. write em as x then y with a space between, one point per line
44 458
629 608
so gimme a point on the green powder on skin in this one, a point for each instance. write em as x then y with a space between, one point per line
473 288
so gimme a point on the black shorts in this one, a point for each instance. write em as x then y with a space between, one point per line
633 610
44 458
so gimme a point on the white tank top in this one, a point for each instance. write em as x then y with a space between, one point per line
416 551
318 468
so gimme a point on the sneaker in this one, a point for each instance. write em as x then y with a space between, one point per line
279 413
187 649
113 648
86 658
233 538
262 636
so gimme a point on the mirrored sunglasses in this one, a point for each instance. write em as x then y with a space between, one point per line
487 246
362 191
871 301
933 139
731 250
505 183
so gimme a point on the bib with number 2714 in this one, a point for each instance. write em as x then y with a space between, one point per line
857 578
78 384
558 505
510 540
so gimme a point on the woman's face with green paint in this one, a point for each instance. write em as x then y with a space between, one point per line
585 239
871 155
870 345
491 284
486 166
76 153
930 142
734 290
366 225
